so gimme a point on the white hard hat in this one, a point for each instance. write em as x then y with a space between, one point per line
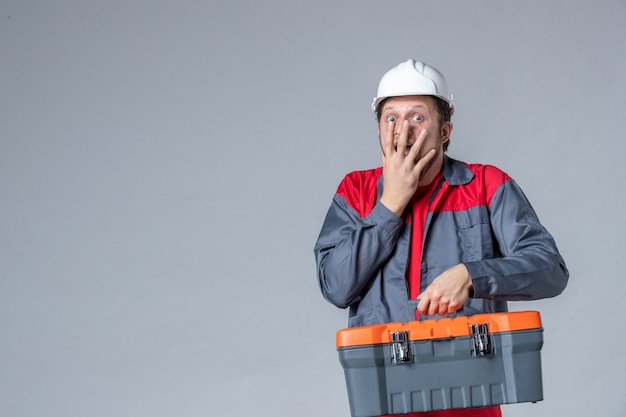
412 78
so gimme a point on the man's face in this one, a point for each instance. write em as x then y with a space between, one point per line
421 113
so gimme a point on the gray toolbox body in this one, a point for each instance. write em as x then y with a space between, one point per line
479 361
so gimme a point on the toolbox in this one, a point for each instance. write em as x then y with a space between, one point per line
462 362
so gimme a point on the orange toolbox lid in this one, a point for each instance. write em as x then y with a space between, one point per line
438 329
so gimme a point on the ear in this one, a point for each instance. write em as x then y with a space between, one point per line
446 131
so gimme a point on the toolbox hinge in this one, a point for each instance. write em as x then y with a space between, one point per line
482 340
401 350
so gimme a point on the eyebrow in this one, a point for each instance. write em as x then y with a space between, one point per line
416 106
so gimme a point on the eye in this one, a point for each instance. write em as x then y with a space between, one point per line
391 118
418 118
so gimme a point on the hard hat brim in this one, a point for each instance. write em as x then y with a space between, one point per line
377 100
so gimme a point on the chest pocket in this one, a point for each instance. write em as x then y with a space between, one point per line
475 238
458 236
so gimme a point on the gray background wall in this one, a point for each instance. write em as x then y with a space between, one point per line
165 167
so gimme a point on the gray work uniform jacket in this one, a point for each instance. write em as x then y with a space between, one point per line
477 216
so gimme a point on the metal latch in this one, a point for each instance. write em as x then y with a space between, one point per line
401 350
482 340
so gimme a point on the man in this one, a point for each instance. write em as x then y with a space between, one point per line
426 236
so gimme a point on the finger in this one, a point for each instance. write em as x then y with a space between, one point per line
433 308
403 138
454 306
433 300
424 160
387 140
443 309
418 147
422 306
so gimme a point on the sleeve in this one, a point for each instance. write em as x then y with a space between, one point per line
530 267
351 249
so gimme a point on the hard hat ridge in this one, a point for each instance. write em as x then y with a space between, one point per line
412 78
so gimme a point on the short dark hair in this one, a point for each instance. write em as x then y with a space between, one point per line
442 106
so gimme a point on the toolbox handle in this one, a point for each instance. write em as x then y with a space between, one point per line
419 317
